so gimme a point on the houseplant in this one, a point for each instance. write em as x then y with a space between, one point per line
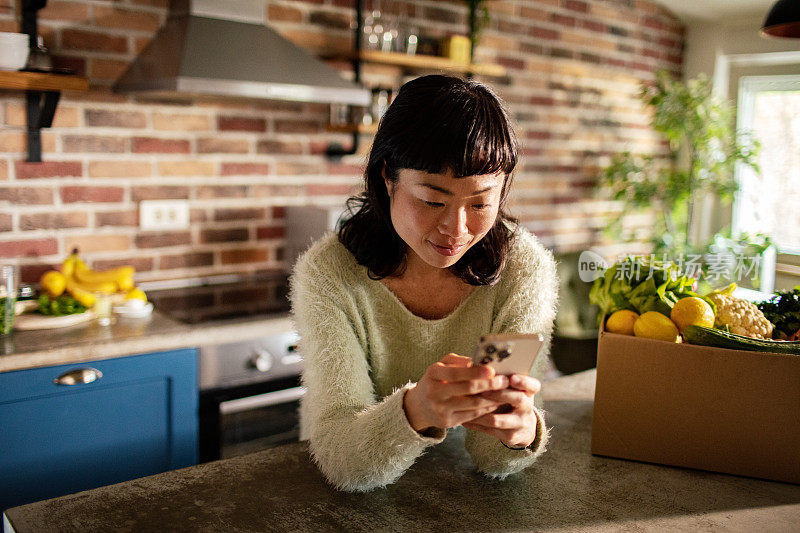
704 148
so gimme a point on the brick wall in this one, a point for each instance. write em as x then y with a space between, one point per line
574 67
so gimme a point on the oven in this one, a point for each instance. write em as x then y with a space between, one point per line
249 390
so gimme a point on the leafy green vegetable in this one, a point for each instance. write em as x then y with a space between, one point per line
642 285
783 310
63 305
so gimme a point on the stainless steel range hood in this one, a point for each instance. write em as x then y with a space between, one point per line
214 49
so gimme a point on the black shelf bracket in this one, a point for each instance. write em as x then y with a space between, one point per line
40 108
40 105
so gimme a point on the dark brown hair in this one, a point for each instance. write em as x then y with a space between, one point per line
434 124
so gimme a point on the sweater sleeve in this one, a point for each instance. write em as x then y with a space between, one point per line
527 304
359 442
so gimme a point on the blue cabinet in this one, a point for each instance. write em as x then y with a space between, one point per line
137 417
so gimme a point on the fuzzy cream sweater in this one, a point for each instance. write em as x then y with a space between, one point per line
363 349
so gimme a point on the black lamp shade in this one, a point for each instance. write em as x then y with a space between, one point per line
783 20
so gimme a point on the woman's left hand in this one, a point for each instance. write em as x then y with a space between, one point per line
515 426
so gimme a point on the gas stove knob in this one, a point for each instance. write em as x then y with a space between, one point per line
262 360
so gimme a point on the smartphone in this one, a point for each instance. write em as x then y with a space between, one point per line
509 353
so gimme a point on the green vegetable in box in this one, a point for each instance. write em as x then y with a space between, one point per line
642 285
783 310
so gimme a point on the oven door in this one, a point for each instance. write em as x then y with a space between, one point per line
250 418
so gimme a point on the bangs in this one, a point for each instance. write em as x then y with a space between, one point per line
467 131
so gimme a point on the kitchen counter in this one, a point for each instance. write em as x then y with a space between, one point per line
90 341
281 489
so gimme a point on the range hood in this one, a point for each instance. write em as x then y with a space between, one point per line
218 49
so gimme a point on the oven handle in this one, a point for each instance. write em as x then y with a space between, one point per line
261 400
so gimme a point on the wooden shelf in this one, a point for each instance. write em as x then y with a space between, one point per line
40 81
353 128
424 62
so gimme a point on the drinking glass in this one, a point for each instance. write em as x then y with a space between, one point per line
8 297
102 308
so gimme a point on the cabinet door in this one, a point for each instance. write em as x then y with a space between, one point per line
139 418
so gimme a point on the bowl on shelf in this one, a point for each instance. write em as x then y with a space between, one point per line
14 50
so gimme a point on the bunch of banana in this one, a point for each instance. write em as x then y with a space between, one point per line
81 281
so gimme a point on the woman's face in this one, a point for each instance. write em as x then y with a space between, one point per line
440 216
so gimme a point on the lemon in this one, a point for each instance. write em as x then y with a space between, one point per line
692 311
53 282
621 322
136 294
654 325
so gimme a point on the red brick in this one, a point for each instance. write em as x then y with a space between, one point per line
443 15
198 215
34 221
120 168
107 69
141 264
563 20
73 194
156 192
277 13
511 62
153 3
116 218
279 147
342 169
297 126
592 25
98 242
115 17
222 191
327 188
271 191
295 168
577 5
115 119
163 146
48 169
187 260
222 146
6 222
28 248
237 169
271 232
160 240
241 124
244 255
278 212
330 20
3 170
26 195
33 273
534 14
543 33
93 41
55 10
224 235
92 143
254 213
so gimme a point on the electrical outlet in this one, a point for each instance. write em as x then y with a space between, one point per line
163 214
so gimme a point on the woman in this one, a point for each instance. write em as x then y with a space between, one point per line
389 309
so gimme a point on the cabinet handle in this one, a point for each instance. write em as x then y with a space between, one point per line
78 376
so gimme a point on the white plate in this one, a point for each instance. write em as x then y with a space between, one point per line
133 312
29 321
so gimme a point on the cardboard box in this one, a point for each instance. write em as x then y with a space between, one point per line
730 411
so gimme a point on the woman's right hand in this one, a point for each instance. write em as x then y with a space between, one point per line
447 395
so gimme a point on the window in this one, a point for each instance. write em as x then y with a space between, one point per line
769 107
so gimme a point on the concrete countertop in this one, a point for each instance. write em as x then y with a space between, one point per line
90 342
567 489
